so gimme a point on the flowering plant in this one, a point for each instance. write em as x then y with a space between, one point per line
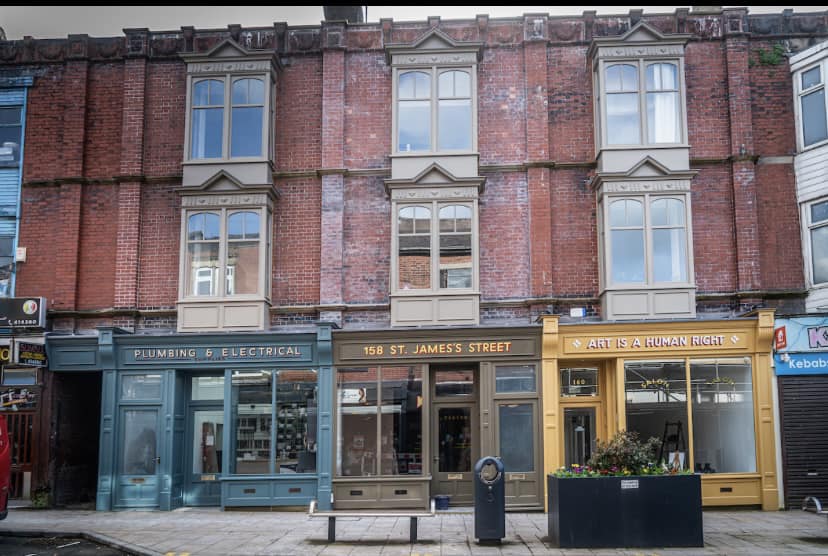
623 455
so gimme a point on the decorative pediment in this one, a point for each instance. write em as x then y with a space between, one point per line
435 176
433 43
641 40
222 182
647 176
229 55
648 167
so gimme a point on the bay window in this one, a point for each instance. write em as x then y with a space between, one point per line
647 239
434 246
227 118
641 95
223 252
434 110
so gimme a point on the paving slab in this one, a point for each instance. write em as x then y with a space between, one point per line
208 531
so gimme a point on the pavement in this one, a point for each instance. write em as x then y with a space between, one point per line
210 531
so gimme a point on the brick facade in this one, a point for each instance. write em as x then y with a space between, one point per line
105 133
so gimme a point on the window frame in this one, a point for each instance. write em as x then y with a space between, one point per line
434 71
799 94
18 163
434 205
264 260
807 227
228 79
641 64
646 199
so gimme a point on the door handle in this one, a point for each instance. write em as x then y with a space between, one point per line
158 459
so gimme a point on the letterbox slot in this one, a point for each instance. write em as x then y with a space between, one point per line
401 491
726 489
356 493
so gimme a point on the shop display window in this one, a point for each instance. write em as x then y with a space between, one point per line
723 425
515 379
379 421
721 401
656 393
254 415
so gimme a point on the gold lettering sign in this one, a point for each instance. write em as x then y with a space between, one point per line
459 348
217 354
713 341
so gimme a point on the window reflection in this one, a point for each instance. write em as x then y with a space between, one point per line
252 418
379 435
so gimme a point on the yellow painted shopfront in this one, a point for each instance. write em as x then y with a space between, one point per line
702 387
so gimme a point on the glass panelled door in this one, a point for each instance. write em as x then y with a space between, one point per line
206 429
517 442
454 451
579 434
139 458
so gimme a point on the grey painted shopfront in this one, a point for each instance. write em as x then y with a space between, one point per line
236 420
415 409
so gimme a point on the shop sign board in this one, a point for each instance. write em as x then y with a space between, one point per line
430 349
801 334
236 353
814 363
31 354
634 343
22 312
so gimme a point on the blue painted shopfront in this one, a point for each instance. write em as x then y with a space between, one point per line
230 420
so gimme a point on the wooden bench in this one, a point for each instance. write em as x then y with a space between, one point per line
817 507
333 514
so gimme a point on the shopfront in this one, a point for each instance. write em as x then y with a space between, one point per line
801 364
230 420
702 388
416 409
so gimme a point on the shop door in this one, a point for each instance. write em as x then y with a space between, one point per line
517 445
454 450
205 426
139 460
580 428
22 439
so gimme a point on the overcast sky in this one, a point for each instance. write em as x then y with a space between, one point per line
106 21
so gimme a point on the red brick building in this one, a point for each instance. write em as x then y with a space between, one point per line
413 183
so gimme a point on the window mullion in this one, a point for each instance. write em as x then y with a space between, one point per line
222 255
643 123
648 243
435 249
226 120
434 99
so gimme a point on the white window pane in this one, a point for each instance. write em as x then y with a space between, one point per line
627 256
626 212
243 225
206 136
819 253
811 78
661 77
242 267
415 126
669 255
814 127
454 84
216 92
622 77
246 137
454 124
414 85
662 118
819 212
622 119
667 212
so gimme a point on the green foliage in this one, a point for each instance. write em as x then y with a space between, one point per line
772 57
624 454
40 497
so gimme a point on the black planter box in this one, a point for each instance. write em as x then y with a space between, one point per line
637 511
